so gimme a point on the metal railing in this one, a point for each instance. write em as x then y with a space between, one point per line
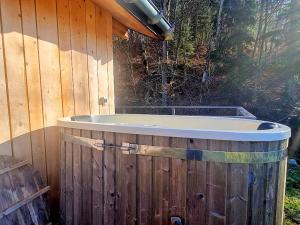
223 111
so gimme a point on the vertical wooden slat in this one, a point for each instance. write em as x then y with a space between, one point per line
86 165
34 86
237 192
65 56
196 186
92 55
63 178
109 180
101 21
125 183
161 184
16 82
79 57
110 66
144 182
270 189
216 186
51 88
77 181
69 181
178 179
257 174
5 140
281 185
97 182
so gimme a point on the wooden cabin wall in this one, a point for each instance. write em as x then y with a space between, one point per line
55 60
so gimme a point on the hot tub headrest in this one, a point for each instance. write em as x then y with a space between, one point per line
267 126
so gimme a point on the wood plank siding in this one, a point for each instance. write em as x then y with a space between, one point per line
55 61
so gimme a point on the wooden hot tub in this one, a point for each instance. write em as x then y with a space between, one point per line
148 169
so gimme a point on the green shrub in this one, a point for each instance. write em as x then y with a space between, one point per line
292 199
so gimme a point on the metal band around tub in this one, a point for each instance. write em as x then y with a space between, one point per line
182 153
205 155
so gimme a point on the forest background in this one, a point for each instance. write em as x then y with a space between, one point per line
225 52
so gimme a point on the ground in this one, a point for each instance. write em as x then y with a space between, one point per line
292 200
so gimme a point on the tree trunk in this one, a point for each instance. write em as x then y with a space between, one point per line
166 10
262 41
219 20
164 82
260 23
144 54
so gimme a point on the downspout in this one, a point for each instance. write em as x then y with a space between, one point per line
154 17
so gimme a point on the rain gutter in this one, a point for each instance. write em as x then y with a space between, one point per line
148 13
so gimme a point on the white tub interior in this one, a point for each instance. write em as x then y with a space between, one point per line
180 126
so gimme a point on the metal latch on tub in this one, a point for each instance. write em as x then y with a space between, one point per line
160 151
128 148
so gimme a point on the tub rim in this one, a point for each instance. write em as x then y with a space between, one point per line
282 132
